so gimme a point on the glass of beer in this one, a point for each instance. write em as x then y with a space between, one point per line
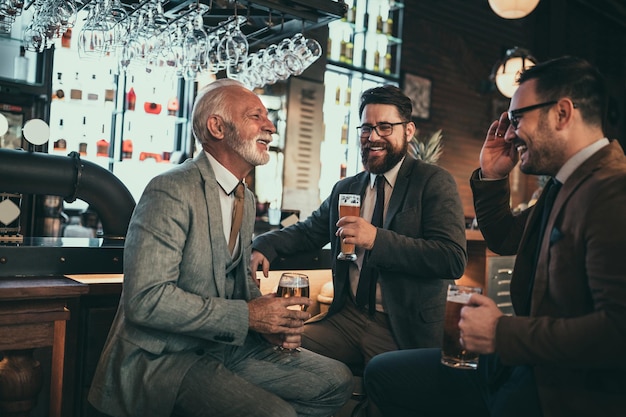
452 353
349 205
292 284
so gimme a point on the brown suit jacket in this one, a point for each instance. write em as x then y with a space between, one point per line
576 333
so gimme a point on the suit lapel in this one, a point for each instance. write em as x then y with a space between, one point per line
578 177
217 242
399 189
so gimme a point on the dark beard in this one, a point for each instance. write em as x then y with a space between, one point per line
382 165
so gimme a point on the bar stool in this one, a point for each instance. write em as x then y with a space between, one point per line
359 395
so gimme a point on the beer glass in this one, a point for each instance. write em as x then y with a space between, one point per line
452 353
349 205
292 284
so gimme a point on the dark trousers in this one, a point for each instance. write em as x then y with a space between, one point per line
415 383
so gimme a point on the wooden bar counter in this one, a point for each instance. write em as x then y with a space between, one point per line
33 314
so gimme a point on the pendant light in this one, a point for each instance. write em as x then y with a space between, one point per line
506 71
513 9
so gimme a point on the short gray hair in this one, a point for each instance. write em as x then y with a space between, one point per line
211 99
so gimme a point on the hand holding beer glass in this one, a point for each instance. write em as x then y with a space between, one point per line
349 205
452 353
292 284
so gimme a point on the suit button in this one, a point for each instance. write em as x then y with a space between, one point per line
199 352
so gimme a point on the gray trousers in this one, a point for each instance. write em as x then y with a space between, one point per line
257 380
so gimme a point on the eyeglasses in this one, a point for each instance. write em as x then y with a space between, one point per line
382 129
514 115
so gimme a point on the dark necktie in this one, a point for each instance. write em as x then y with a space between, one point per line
552 189
237 216
366 289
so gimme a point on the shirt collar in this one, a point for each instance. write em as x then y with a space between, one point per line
226 180
390 175
577 160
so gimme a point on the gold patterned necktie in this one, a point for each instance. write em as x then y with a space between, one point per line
237 216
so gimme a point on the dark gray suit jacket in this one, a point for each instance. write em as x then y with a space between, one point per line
418 252
174 307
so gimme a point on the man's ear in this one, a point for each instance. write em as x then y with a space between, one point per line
410 129
215 126
565 109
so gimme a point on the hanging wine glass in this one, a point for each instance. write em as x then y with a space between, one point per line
293 63
91 39
215 63
275 62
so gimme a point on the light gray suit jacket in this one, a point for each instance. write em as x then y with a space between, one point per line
418 252
174 308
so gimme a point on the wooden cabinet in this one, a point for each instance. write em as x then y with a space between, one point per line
33 314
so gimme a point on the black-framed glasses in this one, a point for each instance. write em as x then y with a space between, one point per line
514 115
382 129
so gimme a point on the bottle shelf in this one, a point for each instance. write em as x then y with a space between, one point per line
373 59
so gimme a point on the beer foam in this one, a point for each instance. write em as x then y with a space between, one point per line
296 284
462 298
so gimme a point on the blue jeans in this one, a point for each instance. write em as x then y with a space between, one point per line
257 380
415 383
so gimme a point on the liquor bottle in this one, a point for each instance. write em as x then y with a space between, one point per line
172 106
60 145
344 131
127 145
66 38
376 67
329 47
347 102
57 91
109 92
379 21
349 51
92 94
338 95
152 107
343 171
388 26
76 92
82 146
131 97
351 13
342 50
127 149
388 61
102 146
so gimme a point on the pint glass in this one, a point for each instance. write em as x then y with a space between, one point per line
452 353
349 205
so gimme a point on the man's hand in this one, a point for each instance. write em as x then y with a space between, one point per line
256 259
498 155
478 324
270 315
356 230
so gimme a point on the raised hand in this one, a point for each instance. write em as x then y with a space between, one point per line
498 155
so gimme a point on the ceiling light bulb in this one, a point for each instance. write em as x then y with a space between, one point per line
513 9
